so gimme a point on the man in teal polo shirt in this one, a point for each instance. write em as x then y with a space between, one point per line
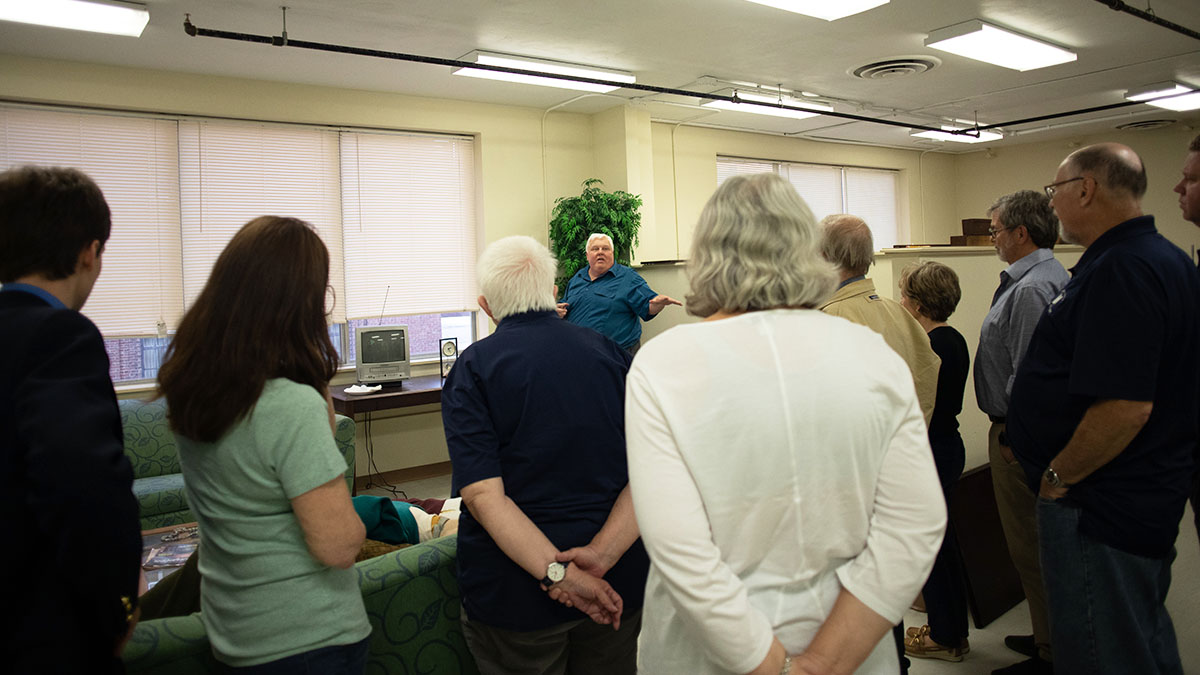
610 298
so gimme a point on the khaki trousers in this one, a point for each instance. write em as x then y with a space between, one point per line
1016 504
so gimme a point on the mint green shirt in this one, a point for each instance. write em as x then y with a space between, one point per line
263 596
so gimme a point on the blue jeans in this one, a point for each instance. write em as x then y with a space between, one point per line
1107 611
348 659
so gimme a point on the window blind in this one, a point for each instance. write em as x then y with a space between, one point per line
233 172
409 226
728 167
868 193
871 195
134 161
819 186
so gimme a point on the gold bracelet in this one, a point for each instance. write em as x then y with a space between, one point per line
127 605
787 665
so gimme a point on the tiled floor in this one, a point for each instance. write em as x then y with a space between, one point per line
987 644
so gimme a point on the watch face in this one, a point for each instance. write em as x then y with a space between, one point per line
449 348
446 368
556 571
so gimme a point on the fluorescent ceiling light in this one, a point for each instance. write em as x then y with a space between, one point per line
1156 90
982 137
1153 94
105 16
977 40
543 66
748 107
830 10
1180 103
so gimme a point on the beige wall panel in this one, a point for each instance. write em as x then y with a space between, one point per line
981 179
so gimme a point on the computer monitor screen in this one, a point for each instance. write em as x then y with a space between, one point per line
383 353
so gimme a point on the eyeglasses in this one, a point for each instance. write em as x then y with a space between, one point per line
993 231
1053 187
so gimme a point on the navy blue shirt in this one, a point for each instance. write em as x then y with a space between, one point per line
611 304
1126 326
539 403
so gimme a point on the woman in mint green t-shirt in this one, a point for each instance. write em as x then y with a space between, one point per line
246 381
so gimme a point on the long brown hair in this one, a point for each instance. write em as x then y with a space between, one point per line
260 316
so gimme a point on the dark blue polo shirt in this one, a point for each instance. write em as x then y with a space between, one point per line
1126 326
611 304
541 404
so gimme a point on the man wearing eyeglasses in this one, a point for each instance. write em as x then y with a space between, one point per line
1103 418
1188 188
1024 230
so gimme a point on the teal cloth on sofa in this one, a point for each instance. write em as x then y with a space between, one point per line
386 521
412 601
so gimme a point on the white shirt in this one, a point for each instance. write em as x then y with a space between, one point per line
775 457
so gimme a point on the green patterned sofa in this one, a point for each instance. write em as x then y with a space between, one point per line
157 481
412 601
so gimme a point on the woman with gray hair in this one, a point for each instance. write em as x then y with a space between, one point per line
785 489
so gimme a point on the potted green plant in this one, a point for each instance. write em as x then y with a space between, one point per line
574 219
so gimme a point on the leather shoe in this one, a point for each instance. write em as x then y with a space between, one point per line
1021 644
1033 666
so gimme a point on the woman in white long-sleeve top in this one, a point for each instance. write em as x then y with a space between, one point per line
778 460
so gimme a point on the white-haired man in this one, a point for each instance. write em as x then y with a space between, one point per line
545 489
610 298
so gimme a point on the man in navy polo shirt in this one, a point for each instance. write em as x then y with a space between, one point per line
611 298
1103 418
535 425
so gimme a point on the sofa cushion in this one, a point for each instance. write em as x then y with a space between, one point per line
149 443
160 494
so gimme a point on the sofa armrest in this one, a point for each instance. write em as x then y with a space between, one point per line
173 646
413 603
344 437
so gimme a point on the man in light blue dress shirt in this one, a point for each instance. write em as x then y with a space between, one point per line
1024 231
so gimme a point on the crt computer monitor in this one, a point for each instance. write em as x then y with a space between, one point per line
383 354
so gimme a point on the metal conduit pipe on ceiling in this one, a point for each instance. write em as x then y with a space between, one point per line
283 41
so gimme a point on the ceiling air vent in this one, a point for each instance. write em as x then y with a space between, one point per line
900 66
1145 125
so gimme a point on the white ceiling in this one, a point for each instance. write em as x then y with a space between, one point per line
697 45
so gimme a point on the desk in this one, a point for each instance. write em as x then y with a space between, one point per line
414 391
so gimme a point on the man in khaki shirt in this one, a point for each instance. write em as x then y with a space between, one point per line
847 243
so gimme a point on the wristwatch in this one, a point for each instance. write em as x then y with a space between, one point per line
1052 478
555 572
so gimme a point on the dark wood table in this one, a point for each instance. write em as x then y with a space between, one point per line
414 391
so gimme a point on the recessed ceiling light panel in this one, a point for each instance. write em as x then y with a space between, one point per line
543 66
749 107
984 42
1168 95
97 16
830 10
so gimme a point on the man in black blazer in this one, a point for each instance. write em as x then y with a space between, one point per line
68 517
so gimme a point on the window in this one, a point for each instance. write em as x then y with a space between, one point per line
396 211
867 193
